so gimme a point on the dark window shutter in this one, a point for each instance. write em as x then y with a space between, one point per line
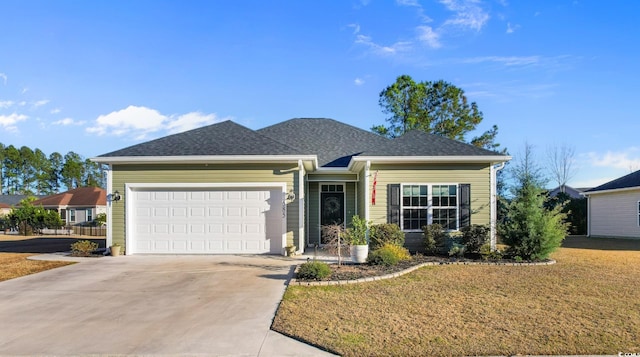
465 205
393 203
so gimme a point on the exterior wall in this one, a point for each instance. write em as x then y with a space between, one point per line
614 214
314 207
204 173
477 175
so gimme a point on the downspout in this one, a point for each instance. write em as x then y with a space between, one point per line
109 173
301 206
494 202
588 197
366 194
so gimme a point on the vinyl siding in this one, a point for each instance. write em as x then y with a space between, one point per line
614 214
478 176
202 173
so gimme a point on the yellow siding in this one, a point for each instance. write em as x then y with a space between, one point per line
479 176
202 173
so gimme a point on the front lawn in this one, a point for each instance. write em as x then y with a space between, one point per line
587 303
16 264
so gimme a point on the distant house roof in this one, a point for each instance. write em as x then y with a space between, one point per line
83 196
573 192
332 142
13 200
629 181
4 205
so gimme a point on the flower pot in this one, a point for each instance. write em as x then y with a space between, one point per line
115 250
291 250
359 253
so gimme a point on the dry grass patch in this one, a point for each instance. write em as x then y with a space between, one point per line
16 264
587 303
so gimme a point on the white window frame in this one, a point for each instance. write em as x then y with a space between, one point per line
89 214
72 215
429 206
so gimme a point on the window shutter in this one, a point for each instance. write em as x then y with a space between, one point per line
393 203
465 205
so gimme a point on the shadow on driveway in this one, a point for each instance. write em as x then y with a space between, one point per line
582 242
17 244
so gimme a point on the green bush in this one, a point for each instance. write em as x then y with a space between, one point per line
474 237
388 255
457 250
83 248
314 270
436 240
381 234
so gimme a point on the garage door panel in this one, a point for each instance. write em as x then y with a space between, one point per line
243 220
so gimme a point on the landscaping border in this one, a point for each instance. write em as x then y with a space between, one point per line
297 282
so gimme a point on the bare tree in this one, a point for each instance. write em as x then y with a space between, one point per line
560 160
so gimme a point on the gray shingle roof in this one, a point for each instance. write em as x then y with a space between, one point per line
628 181
332 141
225 138
13 200
419 143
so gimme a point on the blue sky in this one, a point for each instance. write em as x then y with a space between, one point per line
96 76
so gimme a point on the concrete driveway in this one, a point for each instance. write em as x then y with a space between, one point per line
150 305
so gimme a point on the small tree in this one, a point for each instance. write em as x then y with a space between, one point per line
531 231
101 219
24 216
334 243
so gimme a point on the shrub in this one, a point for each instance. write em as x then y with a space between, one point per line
83 248
314 270
436 240
334 243
381 234
388 255
474 237
485 251
357 233
457 249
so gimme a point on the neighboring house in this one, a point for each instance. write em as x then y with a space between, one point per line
78 206
613 209
225 188
7 202
570 191
5 209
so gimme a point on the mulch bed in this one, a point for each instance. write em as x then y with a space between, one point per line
352 271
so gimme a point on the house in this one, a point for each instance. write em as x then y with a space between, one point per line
78 206
225 188
5 209
574 193
613 209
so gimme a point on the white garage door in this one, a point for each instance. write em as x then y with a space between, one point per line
207 221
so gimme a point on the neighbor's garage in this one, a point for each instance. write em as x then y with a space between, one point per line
206 220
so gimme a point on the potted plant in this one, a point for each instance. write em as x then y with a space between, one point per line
356 236
115 249
291 250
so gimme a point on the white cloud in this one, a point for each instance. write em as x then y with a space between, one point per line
138 122
507 61
356 28
55 111
428 36
4 77
24 90
8 122
358 81
67 122
189 121
511 29
628 159
468 14
6 103
23 103
383 50
408 3
40 103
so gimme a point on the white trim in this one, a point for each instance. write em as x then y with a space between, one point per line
429 206
302 201
367 169
638 213
493 201
205 159
442 159
131 187
109 222
611 191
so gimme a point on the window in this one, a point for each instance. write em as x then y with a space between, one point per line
72 215
89 215
415 204
424 204
445 206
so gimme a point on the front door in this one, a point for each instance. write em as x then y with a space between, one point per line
331 205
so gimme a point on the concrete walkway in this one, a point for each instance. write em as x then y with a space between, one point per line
149 305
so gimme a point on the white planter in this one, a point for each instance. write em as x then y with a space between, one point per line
359 253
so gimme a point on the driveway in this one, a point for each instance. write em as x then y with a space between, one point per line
150 305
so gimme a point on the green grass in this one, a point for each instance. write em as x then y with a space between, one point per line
587 303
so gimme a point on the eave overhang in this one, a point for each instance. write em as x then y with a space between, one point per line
310 162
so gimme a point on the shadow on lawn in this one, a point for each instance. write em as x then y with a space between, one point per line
42 245
582 242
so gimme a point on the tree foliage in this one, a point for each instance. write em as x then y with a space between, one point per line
531 230
26 171
29 218
436 107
